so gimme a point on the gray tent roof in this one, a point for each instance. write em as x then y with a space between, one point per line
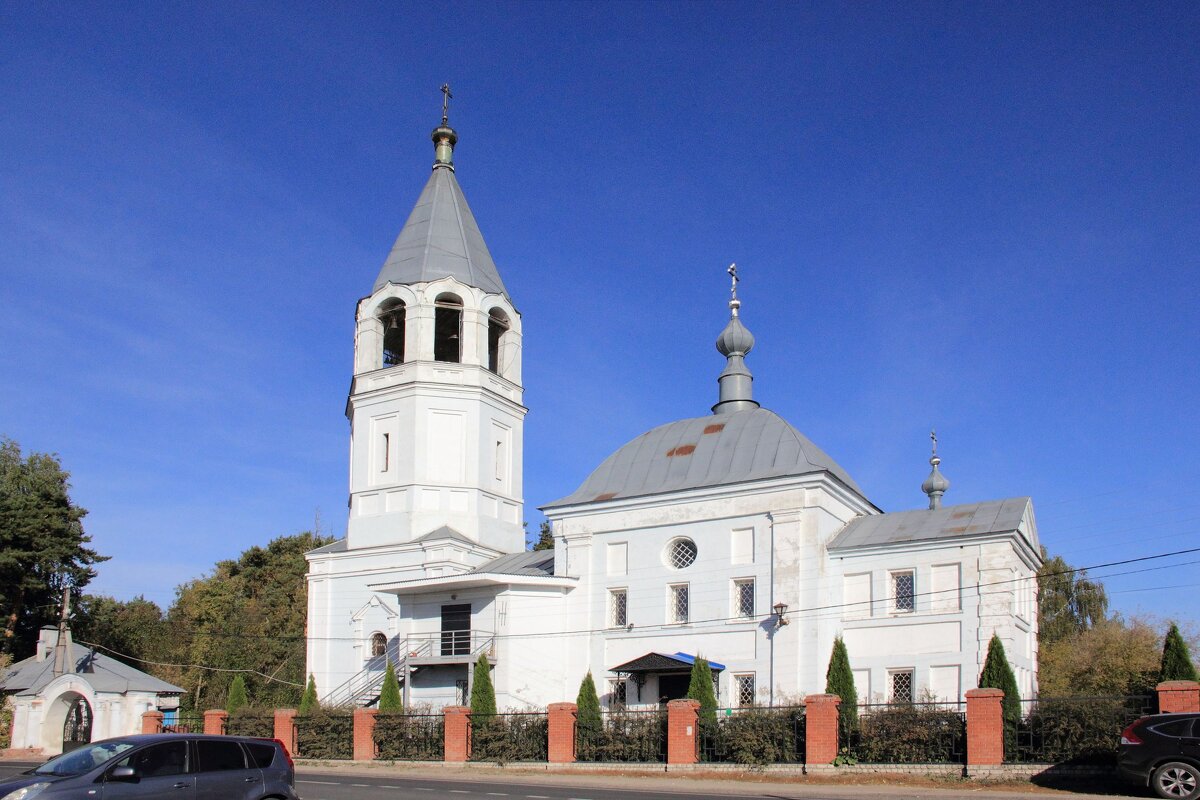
333 547
530 562
103 673
706 451
441 239
948 522
445 532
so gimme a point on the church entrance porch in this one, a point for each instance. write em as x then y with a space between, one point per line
660 678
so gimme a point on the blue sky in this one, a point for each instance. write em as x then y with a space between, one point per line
982 217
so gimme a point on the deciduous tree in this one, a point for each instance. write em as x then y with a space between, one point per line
42 544
1068 601
1116 657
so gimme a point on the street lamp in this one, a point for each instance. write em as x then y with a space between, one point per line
780 620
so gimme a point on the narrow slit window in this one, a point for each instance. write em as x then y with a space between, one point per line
447 329
618 608
677 610
385 453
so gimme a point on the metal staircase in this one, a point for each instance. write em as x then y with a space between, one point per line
363 688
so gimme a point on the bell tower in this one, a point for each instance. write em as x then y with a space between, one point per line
435 406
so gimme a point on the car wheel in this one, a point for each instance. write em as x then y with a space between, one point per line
1177 781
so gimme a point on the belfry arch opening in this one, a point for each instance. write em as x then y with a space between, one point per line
447 328
497 327
378 644
392 315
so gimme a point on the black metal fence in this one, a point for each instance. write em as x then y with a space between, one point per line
519 736
184 723
905 733
774 735
410 737
624 736
251 722
325 735
1072 730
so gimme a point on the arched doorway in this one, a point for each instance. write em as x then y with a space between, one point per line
77 727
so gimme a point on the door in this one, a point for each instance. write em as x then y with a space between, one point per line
673 687
161 772
456 630
77 727
224 773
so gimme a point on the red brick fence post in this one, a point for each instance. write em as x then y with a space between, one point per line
683 736
285 728
457 746
985 727
560 720
364 734
1178 696
821 728
152 722
214 722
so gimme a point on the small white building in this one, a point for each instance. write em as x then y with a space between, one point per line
66 696
728 535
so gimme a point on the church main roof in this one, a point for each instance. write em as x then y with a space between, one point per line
713 450
441 239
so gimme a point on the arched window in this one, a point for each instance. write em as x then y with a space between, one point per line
392 315
497 327
447 328
378 644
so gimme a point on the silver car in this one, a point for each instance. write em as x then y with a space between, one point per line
162 765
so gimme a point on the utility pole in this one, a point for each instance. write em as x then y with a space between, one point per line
60 648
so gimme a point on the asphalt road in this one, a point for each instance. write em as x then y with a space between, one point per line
321 783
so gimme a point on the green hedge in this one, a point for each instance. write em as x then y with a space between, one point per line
325 734
410 737
509 737
908 734
251 722
754 736
624 736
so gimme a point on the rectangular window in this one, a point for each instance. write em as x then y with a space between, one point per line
500 460
904 591
743 598
617 697
900 686
618 608
743 690
677 603
385 457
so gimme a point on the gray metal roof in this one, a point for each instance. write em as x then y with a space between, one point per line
445 532
706 451
333 547
441 239
103 673
530 562
948 522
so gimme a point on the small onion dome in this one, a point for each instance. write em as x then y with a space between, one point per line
735 340
936 484
444 139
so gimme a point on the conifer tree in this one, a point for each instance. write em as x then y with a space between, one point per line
237 695
483 696
839 680
1176 660
701 689
309 702
588 703
389 695
997 674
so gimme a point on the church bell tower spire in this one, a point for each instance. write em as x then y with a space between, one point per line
735 381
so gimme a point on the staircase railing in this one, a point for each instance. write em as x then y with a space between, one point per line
366 685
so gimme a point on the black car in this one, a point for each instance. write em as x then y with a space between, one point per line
1163 752
162 765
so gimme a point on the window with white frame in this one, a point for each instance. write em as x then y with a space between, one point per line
677 603
743 598
618 608
743 690
617 697
681 553
900 685
904 591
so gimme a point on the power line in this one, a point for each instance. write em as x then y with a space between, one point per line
270 678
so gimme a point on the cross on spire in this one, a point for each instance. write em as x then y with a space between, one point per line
446 103
933 437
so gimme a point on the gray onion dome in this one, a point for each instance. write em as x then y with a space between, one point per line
736 339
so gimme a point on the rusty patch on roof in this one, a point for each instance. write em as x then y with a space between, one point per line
605 496
961 514
681 450
715 428
963 529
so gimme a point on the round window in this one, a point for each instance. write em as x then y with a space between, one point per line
681 553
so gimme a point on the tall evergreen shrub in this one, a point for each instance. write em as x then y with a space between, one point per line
701 689
839 680
997 674
237 695
588 702
1176 660
389 695
483 696
309 703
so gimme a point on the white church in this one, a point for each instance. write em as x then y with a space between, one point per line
728 535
